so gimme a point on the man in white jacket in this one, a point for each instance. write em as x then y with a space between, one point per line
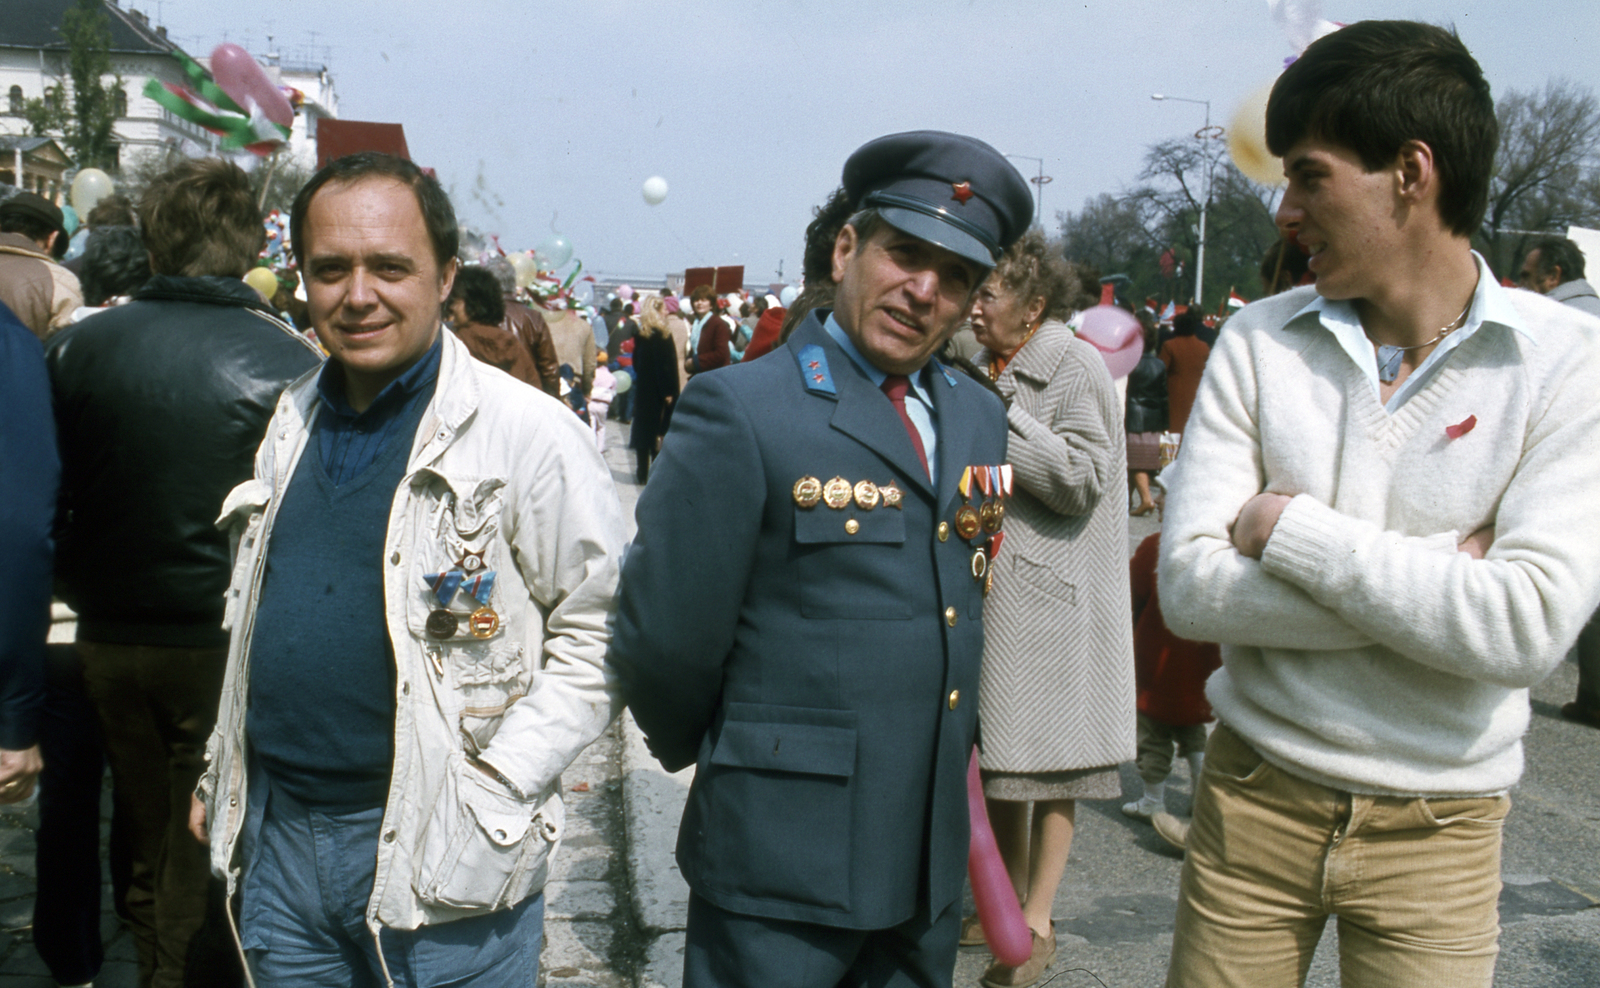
427 562
1374 513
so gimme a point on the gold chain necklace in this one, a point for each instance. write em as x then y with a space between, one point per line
1389 357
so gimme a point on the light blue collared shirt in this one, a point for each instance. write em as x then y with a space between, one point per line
920 412
1491 303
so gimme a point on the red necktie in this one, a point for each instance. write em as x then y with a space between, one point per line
896 386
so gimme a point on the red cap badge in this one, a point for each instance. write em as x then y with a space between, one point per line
961 191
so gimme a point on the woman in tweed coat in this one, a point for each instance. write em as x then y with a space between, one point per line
1056 705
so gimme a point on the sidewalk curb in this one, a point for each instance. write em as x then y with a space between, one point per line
652 806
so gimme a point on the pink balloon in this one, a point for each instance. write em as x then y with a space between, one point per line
243 80
625 292
1116 334
1007 932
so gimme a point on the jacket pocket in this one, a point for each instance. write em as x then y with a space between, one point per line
243 512
778 821
850 564
483 848
1044 579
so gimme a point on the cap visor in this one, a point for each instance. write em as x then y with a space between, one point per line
938 232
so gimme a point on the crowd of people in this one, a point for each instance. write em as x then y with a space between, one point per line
349 600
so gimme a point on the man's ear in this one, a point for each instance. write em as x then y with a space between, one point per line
1417 173
447 279
845 246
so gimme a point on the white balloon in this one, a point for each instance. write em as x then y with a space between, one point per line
788 295
655 190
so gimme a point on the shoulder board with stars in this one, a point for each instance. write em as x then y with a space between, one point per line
814 370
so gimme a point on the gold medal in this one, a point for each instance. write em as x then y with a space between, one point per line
807 491
986 516
967 523
988 581
836 494
999 515
483 623
867 494
891 495
980 564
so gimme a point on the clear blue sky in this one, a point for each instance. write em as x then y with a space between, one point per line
748 108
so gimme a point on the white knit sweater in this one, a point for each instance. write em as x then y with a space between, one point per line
1363 651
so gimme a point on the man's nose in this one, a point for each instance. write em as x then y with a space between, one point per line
362 294
924 285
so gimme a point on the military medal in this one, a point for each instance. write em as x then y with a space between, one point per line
483 623
980 564
442 624
988 581
837 493
967 522
891 495
867 495
445 585
471 562
807 492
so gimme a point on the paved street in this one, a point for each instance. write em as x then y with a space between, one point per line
616 902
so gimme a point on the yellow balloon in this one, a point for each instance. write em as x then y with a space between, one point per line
88 188
1247 140
263 281
525 267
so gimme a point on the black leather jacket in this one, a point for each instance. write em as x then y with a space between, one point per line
160 405
1147 396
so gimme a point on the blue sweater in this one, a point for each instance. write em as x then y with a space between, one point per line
322 675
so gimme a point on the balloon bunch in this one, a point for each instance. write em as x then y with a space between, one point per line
1302 23
235 101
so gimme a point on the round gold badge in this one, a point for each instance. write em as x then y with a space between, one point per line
967 523
807 492
891 495
867 495
837 493
483 623
987 516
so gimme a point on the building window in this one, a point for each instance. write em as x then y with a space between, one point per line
15 105
119 101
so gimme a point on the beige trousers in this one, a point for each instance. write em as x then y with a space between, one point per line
1414 883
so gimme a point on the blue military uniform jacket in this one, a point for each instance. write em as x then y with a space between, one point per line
819 665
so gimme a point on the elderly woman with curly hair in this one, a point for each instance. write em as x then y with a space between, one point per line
1057 694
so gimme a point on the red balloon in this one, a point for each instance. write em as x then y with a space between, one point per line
1007 932
247 84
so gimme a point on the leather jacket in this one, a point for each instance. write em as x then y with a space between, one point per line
160 405
529 327
1147 396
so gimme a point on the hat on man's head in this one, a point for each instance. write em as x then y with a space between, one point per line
953 191
34 206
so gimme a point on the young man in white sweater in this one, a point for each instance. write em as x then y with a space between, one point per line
1378 512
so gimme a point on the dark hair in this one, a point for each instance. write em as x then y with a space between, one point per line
1375 85
1031 268
479 291
431 199
115 262
1148 329
199 218
1559 251
1282 267
35 228
705 292
113 210
1187 322
827 220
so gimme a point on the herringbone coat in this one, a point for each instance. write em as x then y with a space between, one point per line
1057 690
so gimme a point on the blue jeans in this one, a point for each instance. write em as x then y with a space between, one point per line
308 877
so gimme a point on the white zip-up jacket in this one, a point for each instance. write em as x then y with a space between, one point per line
500 469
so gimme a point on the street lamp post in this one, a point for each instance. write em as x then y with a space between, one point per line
1200 261
1041 180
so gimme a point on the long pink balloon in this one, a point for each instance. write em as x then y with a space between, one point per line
241 78
1003 926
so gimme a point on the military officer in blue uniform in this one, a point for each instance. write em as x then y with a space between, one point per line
801 613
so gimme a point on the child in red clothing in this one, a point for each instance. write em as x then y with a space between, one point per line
1170 676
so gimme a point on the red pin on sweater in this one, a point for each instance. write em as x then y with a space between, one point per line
1461 428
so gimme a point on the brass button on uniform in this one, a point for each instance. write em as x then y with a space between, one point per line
950 616
944 531
852 526
955 698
